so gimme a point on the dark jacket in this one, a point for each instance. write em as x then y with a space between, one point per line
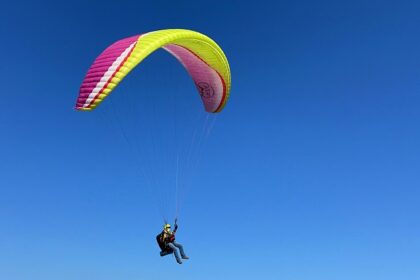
163 238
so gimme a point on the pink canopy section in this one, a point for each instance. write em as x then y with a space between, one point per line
103 70
209 83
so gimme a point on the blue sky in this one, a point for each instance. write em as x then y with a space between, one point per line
314 162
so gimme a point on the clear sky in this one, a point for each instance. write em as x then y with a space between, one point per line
315 161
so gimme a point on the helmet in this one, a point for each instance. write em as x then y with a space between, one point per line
167 226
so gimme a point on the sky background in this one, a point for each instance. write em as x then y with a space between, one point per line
314 163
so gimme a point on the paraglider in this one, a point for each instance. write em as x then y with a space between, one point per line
168 245
203 59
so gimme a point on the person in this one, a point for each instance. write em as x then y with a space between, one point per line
166 242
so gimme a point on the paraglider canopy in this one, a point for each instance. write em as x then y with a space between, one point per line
201 56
